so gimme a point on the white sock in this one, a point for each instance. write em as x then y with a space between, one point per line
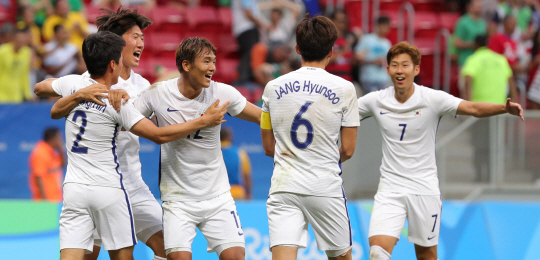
158 258
378 253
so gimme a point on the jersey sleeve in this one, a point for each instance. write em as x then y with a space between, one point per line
229 93
144 103
364 107
444 103
65 86
350 116
128 116
266 98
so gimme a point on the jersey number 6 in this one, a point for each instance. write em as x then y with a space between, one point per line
298 121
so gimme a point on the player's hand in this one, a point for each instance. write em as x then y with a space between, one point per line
514 109
214 114
118 97
93 93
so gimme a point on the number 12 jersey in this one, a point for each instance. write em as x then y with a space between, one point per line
307 108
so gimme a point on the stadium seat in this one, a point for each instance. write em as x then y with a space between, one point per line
390 5
212 37
257 94
5 14
154 62
92 12
163 44
225 18
228 46
449 20
203 19
426 47
226 70
144 69
168 19
427 5
426 25
245 92
353 8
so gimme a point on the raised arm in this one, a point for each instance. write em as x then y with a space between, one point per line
160 135
251 113
44 88
348 142
483 109
92 93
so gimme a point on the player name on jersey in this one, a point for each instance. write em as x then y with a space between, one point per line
90 104
308 87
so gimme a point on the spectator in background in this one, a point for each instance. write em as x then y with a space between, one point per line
281 25
371 52
15 58
269 63
74 22
27 16
238 166
46 162
41 8
467 28
341 61
61 57
245 26
523 14
502 43
534 77
487 76
7 32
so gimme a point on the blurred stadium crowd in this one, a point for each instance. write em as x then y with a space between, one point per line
40 39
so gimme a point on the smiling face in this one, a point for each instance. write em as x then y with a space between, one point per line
402 71
201 71
134 46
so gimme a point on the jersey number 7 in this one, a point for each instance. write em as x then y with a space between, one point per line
298 121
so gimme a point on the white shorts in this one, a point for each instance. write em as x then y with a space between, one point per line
423 212
289 215
105 209
216 218
147 214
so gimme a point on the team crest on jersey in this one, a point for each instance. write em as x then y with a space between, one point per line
418 112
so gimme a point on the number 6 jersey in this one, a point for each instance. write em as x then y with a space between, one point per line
307 109
91 136
409 131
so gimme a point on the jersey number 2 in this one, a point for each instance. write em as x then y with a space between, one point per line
298 121
75 148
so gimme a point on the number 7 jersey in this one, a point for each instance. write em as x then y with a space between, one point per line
307 108
409 131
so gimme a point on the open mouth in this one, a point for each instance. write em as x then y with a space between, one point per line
208 76
400 79
137 54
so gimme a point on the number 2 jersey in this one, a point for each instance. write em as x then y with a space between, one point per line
91 136
409 131
307 108
191 168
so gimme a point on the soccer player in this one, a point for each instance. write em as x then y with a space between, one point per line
146 210
305 113
193 179
408 116
94 192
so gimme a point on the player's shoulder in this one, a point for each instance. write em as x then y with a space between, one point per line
377 95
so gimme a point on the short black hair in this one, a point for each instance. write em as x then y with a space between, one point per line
121 21
50 133
315 37
480 41
58 27
98 49
383 20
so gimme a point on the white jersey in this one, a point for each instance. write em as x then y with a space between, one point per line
307 108
191 168
128 143
91 132
409 131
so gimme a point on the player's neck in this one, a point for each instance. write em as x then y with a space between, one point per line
402 95
315 64
125 73
187 88
105 80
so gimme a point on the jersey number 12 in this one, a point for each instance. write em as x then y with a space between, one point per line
298 121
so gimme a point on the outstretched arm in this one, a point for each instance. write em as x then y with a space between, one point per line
251 113
92 93
44 88
482 109
160 135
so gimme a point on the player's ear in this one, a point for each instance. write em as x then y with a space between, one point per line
416 70
186 66
112 65
297 50
330 53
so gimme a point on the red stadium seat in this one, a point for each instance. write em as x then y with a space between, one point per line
449 20
426 25
426 47
390 5
212 37
427 5
226 70
228 46
257 94
225 18
203 19
168 19
144 69
353 8
245 92
163 44
92 12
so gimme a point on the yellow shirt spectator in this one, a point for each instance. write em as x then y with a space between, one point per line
14 73
75 23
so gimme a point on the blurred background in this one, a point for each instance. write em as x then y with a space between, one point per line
489 169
